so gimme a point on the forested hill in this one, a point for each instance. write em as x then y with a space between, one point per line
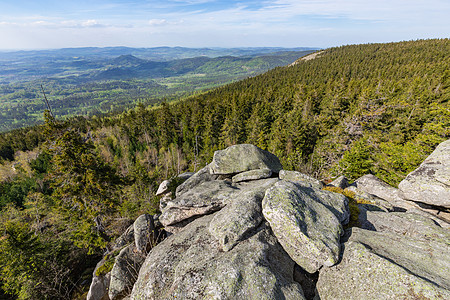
353 110
92 82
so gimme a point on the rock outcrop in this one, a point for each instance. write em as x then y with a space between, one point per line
191 265
300 178
408 257
364 274
124 272
430 182
230 241
243 228
306 228
115 274
241 158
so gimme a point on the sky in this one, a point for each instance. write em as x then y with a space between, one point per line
49 24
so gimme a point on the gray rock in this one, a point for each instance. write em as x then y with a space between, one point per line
99 288
125 239
202 199
243 157
397 204
191 265
201 176
164 200
231 223
125 272
163 188
252 175
406 224
185 175
430 182
369 201
144 233
335 202
340 182
165 185
298 177
427 258
305 227
364 274
376 187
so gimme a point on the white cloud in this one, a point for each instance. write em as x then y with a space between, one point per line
270 22
91 23
157 22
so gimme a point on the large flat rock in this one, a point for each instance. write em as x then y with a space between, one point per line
306 222
406 224
365 274
430 182
235 220
192 265
243 157
301 178
203 198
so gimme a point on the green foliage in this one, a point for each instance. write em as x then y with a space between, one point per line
42 163
353 110
108 263
352 204
356 162
16 191
100 85
33 266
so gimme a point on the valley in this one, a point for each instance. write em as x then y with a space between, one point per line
91 81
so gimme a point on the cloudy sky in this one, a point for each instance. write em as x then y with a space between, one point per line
43 24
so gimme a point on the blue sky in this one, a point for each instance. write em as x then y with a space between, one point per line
43 24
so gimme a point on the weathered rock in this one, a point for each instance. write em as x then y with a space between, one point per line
430 182
305 227
124 272
376 187
164 200
307 281
295 176
335 202
340 182
191 265
426 258
185 175
201 176
406 224
371 202
364 274
163 188
144 232
398 204
252 175
125 239
202 199
231 223
243 157
99 288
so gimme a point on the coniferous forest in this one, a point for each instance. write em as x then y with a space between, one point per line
69 188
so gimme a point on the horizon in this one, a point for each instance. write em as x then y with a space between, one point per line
50 24
156 47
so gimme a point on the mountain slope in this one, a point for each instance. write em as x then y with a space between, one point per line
353 110
87 86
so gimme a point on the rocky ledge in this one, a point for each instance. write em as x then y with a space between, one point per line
243 228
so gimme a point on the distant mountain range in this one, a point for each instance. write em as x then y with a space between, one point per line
98 80
116 62
156 53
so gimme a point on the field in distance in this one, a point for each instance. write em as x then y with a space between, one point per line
87 81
